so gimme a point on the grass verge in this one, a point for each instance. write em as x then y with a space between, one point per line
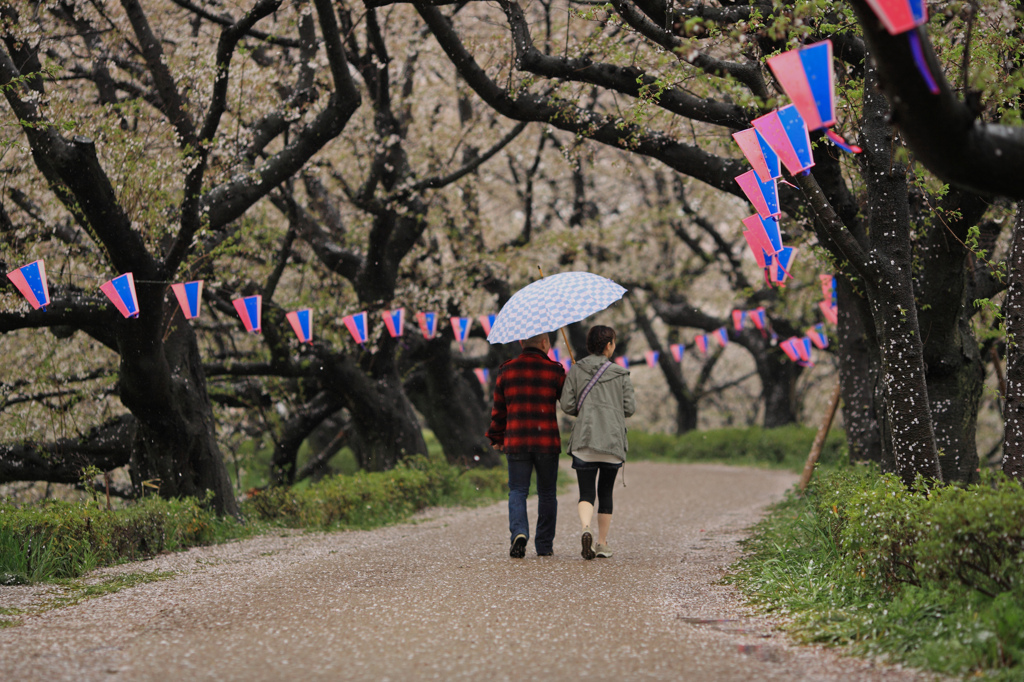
55 540
932 579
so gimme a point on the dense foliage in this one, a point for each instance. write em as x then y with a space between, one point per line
931 577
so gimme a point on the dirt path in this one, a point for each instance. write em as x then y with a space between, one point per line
439 599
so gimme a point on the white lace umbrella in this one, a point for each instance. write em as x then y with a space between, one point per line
551 303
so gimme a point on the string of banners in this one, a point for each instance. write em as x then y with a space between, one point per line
31 281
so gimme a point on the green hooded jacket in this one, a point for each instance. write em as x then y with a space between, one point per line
602 423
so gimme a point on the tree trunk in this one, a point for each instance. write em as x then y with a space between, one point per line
453 407
1013 311
859 361
385 429
162 384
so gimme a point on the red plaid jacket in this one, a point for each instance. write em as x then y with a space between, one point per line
523 419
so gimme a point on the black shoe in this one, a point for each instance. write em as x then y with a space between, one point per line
518 549
548 553
587 540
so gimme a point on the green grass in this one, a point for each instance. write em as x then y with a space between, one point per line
785 447
931 579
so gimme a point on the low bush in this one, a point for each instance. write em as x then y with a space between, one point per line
57 540
931 577
784 447
371 499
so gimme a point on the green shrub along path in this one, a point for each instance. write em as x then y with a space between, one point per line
933 577
437 597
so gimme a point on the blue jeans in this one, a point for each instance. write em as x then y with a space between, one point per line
519 473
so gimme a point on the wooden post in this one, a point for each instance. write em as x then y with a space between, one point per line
819 440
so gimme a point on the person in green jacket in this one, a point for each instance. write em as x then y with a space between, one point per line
599 393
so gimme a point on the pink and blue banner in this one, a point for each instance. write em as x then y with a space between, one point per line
302 324
765 229
250 310
900 16
358 327
786 133
789 348
701 341
830 311
428 324
460 327
759 153
677 350
394 320
806 75
31 282
763 195
757 316
622 362
738 317
189 295
487 321
817 336
722 336
781 269
651 357
121 292
828 287
483 375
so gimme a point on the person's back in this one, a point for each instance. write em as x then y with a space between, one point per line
524 426
527 388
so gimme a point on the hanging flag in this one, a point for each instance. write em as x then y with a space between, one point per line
789 348
900 16
121 292
701 341
622 362
460 327
486 321
830 311
758 317
394 320
802 346
358 327
807 76
483 374
250 309
302 324
189 295
722 336
677 351
428 324
759 153
651 357
783 264
787 134
763 195
770 227
555 355
738 316
759 245
817 336
828 287
31 282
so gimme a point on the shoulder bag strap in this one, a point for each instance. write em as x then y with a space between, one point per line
590 385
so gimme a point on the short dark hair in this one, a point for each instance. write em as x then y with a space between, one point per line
598 338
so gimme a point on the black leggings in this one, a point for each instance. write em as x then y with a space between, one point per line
605 485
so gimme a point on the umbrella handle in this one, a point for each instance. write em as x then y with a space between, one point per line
564 337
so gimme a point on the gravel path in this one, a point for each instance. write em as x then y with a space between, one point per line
439 599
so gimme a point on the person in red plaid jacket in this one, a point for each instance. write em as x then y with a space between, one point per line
524 426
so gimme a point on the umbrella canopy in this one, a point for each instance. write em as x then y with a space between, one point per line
551 303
